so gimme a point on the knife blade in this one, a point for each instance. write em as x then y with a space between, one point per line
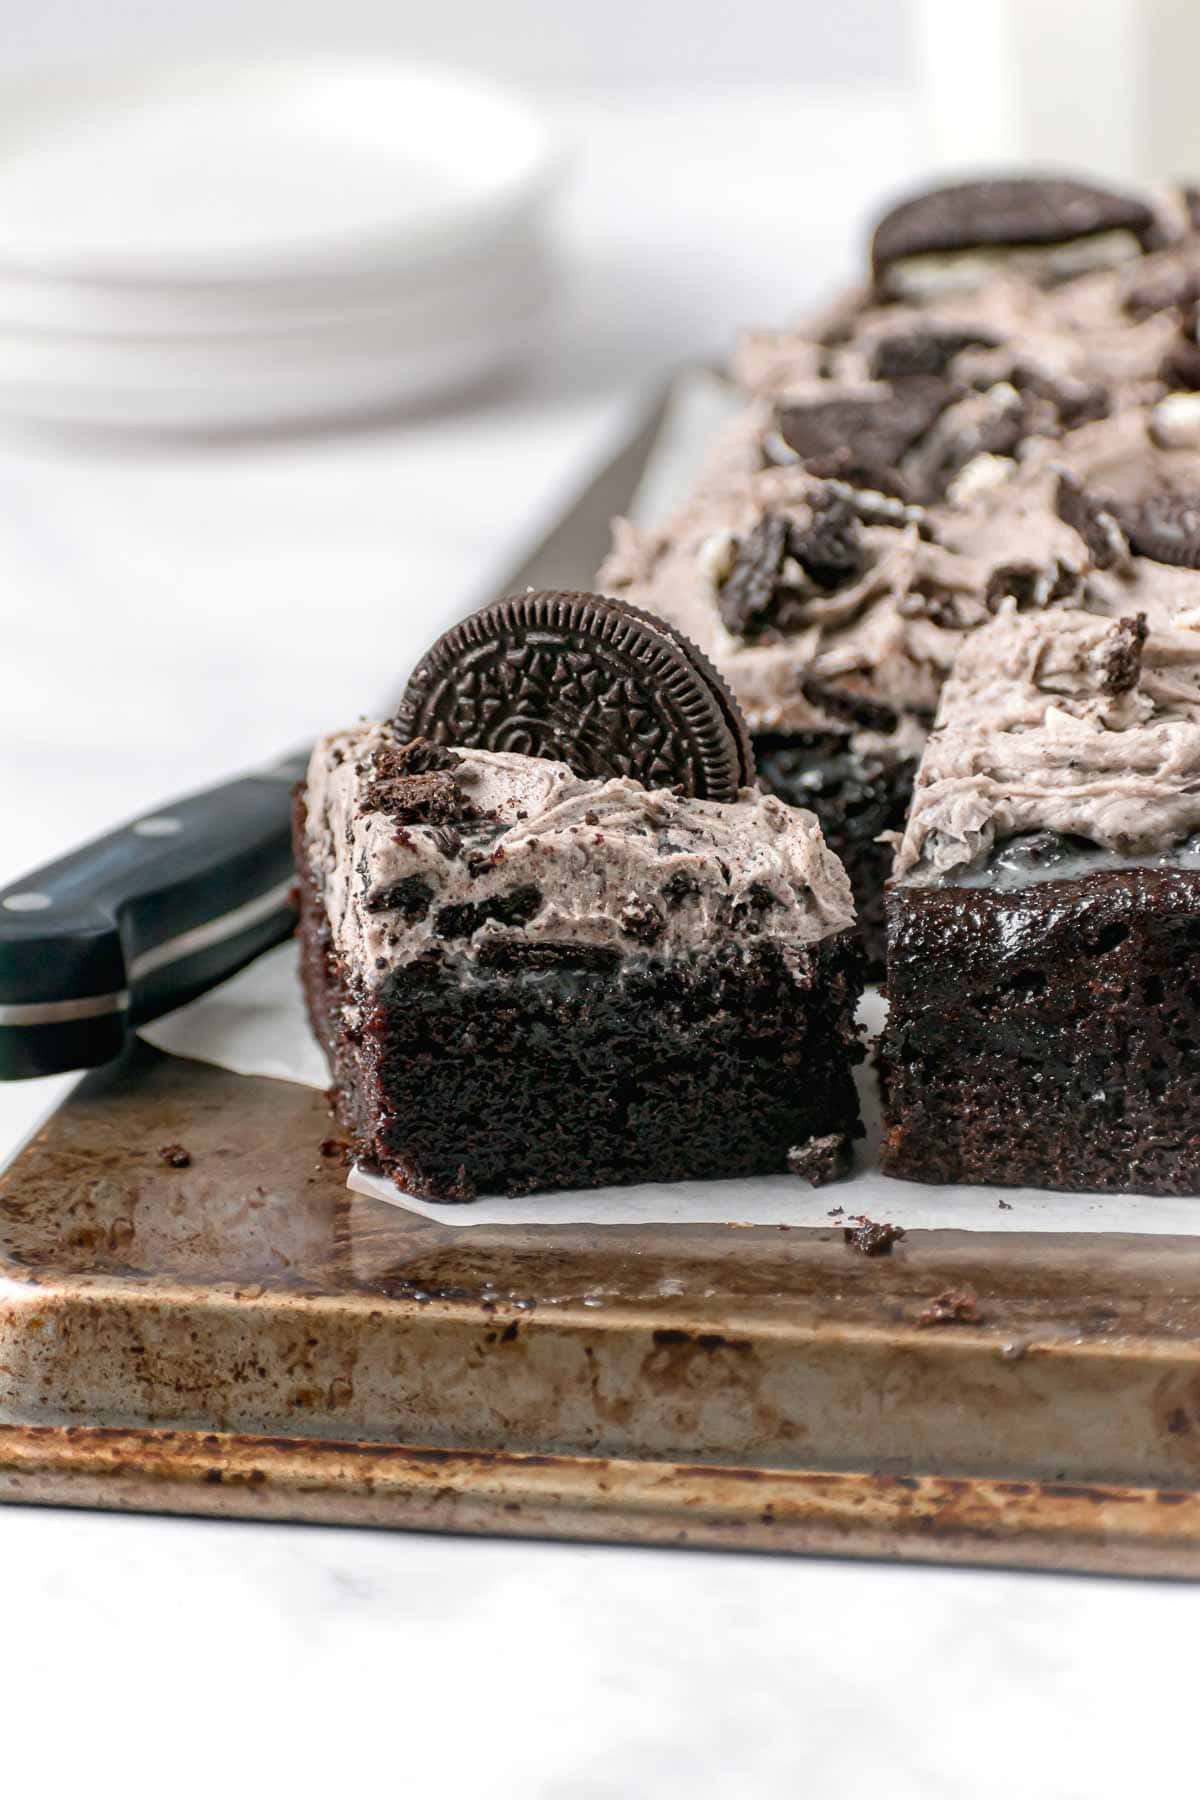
153 914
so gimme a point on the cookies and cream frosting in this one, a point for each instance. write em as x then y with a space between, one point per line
1063 722
462 853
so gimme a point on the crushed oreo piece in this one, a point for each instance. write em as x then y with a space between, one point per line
748 910
757 597
679 888
750 592
418 757
1072 402
872 1238
464 918
449 842
1094 520
518 953
430 796
175 1156
831 552
850 707
1032 585
1121 655
642 921
931 352
409 897
1180 366
863 439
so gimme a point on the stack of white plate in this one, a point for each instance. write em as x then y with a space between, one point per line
233 243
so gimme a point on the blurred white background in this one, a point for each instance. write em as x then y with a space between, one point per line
807 43
173 610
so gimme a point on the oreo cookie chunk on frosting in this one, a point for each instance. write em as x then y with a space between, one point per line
1050 227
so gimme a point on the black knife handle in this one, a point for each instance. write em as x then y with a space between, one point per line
143 919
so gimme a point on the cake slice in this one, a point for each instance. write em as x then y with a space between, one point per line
1044 918
527 976
524 980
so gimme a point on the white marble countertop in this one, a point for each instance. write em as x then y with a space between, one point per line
172 613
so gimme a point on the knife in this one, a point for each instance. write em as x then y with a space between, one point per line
153 914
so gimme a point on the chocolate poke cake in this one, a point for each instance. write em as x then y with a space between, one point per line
1044 918
528 975
911 458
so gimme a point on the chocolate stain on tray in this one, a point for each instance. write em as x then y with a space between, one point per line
870 1238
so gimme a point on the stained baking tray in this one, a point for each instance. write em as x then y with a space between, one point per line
247 1337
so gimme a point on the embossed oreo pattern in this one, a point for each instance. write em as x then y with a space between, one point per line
584 680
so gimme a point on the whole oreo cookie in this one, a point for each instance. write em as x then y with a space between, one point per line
585 680
1005 213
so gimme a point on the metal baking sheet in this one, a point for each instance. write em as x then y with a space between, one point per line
245 1336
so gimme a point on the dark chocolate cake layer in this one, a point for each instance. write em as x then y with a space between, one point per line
524 981
855 796
1046 1035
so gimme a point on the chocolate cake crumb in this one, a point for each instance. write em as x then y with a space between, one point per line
956 1306
1004 1205
820 1160
872 1238
175 1156
336 1146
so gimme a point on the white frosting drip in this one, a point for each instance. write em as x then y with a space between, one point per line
593 850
